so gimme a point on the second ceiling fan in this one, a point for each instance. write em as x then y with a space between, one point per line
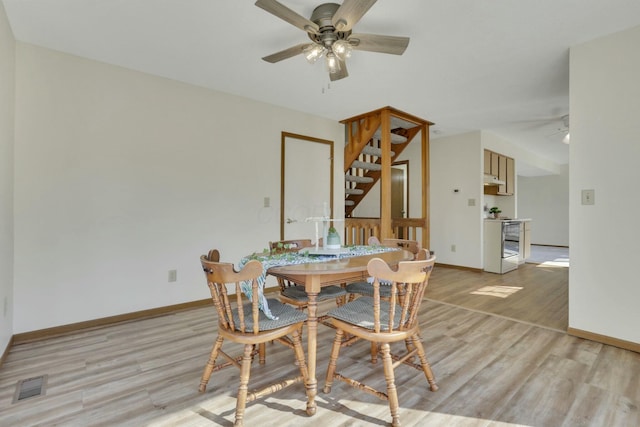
330 30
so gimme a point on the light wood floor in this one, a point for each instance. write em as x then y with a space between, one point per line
492 371
533 293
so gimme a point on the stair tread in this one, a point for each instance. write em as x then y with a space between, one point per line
356 191
395 138
366 165
374 151
356 178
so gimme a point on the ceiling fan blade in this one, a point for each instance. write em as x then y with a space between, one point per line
350 12
378 43
341 73
285 54
286 14
562 132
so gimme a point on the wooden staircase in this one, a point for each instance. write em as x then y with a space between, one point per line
366 169
374 141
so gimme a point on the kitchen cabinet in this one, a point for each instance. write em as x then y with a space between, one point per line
491 163
501 245
525 241
487 162
502 174
510 177
502 167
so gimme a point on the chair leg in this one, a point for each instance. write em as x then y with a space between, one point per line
208 369
245 372
409 345
374 352
392 392
262 352
426 368
335 350
299 352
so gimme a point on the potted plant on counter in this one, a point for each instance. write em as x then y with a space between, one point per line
494 212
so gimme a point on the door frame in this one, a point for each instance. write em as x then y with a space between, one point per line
404 164
310 139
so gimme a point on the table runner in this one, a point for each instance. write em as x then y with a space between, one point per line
301 257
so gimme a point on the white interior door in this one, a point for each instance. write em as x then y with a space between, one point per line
307 184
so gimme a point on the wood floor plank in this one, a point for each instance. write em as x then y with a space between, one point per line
547 395
494 366
532 293
596 407
623 378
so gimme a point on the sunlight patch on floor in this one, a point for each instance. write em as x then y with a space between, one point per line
497 291
558 262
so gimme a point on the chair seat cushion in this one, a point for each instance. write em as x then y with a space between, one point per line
328 292
360 313
285 315
366 288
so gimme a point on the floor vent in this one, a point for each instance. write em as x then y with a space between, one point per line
31 387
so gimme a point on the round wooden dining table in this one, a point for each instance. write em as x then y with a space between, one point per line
316 275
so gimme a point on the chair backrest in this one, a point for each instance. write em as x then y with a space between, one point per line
408 284
213 255
282 246
409 245
422 255
373 240
224 282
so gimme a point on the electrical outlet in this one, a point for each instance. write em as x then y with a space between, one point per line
173 275
453 248
267 202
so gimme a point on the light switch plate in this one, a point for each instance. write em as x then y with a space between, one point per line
588 197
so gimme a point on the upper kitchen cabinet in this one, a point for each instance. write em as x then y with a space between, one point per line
503 168
491 162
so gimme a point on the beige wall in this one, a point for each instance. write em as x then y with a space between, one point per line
121 176
456 164
604 289
7 63
546 200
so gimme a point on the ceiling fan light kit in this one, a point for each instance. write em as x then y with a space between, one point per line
330 30
313 52
333 64
564 130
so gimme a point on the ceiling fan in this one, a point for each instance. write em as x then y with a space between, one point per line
563 130
330 30
546 123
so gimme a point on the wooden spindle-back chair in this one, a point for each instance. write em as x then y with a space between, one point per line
242 321
293 293
364 287
412 246
385 322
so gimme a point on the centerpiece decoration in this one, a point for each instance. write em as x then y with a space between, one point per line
333 239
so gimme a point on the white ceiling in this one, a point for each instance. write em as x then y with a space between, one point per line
497 65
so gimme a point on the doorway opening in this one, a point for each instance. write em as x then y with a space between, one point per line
400 191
